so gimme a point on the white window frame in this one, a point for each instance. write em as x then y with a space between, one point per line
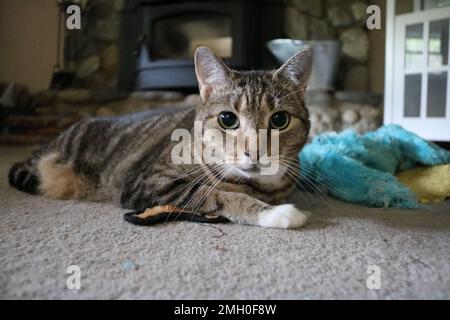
437 129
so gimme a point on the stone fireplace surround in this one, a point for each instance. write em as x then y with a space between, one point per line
94 58
94 53
50 112
158 39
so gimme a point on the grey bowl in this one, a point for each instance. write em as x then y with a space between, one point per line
326 59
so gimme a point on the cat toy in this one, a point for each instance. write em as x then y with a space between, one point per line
362 169
168 213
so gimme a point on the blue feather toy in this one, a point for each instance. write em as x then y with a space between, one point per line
361 168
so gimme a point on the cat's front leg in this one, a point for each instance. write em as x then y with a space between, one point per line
196 197
244 209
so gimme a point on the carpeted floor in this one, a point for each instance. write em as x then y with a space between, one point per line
40 238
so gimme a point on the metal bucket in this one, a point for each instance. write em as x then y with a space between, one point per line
326 59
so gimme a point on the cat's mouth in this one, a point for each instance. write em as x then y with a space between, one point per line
250 168
254 169
245 169
249 171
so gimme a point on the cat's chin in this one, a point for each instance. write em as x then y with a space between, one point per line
247 171
251 174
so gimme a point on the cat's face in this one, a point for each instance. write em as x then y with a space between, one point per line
262 114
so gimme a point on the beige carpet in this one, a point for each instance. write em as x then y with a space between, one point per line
40 238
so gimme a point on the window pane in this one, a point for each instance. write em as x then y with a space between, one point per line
437 94
432 4
438 46
414 46
413 85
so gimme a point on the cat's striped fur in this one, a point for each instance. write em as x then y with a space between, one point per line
127 160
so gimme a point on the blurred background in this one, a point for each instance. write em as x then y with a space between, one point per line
132 55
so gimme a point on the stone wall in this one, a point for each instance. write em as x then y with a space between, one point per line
338 111
342 20
45 114
49 112
93 52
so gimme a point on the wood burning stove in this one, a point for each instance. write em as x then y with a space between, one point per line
159 37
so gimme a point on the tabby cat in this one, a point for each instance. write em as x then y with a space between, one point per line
127 160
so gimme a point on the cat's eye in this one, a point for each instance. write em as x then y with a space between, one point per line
228 120
279 120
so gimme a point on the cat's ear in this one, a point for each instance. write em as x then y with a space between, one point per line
297 69
211 72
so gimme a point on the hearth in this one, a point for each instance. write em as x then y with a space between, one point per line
158 38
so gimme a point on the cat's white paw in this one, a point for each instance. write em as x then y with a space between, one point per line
285 216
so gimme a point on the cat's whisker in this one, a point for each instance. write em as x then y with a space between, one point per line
184 175
305 170
190 186
281 90
290 94
198 178
330 185
300 193
203 198
309 183
216 170
306 176
292 179
222 176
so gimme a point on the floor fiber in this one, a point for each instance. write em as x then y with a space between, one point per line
329 258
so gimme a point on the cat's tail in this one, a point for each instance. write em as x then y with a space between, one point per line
23 177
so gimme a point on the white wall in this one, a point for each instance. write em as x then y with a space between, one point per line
28 41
